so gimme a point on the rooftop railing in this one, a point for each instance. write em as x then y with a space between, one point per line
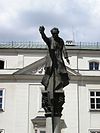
83 45
29 44
41 45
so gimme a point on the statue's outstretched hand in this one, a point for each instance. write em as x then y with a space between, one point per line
41 29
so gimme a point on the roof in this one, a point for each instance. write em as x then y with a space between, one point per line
41 45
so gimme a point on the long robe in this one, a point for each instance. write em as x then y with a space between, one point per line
55 62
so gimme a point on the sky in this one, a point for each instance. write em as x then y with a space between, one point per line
77 20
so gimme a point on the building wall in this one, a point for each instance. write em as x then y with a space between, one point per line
7 118
70 111
94 116
15 115
17 59
11 61
83 62
22 103
84 113
23 100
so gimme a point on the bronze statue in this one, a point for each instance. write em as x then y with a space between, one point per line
56 76
54 60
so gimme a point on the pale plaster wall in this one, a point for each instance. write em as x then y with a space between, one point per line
22 104
83 62
11 61
20 60
14 119
73 62
84 119
35 103
7 118
23 100
70 111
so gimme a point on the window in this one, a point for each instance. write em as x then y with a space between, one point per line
93 65
95 100
1 64
1 131
94 131
42 131
2 99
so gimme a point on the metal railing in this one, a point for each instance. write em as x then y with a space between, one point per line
14 44
83 45
41 45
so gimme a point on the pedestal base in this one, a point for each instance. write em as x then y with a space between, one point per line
57 126
57 103
53 108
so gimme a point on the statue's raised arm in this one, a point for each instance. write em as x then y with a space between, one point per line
41 29
44 37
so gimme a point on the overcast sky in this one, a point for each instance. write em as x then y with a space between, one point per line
78 19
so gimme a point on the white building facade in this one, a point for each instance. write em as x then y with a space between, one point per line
21 71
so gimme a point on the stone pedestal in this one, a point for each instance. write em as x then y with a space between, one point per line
48 125
57 125
53 109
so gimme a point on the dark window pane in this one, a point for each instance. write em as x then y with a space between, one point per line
1 64
91 93
42 131
96 66
97 100
97 93
92 106
1 92
0 100
98 106
91 66
0 106
92 100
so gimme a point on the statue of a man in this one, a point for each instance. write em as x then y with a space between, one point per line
54 60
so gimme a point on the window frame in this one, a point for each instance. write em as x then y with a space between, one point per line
2 131
94 130
2 61
3 99
41 129
93 68
95 102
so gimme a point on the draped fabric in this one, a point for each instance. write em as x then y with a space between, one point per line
54 62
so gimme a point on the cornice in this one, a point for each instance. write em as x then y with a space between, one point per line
37 78
71 51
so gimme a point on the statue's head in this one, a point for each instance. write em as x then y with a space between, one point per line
55 32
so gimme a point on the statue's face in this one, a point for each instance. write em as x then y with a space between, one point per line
54 33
